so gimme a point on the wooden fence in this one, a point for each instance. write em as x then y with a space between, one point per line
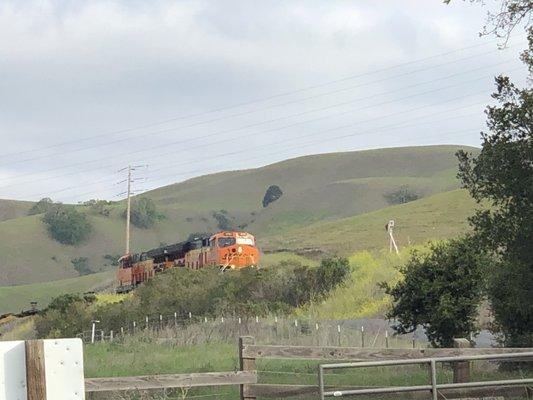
250 389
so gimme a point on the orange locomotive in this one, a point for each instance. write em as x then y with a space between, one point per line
227 250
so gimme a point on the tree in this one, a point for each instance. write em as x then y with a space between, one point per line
511 13
404 194
42 206
66 225
272 194
143 213
440 291
99 207
81 265
502 177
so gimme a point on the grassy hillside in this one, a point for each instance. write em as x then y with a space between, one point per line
10 209
440 216
17 298
316 189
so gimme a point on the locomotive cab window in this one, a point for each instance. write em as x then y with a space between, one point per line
226 241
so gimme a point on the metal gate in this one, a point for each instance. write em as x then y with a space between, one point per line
434 387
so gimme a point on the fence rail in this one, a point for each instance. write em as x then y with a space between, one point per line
247 378
434 387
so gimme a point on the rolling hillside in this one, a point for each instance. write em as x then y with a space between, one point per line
441 216
10 209
318 190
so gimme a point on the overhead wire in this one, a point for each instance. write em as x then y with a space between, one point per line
218 133
263 99
248 112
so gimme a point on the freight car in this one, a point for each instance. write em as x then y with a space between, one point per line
227 250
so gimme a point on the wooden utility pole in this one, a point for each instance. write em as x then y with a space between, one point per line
128 212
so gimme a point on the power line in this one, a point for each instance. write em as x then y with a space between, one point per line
259 100
165 145
381 117
248 112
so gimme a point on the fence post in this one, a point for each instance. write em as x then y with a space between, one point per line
35 370
246 364
461 369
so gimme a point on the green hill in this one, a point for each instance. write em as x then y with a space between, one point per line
17 298
10 209
440 216
316 189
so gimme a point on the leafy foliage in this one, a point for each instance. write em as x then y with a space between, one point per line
143 213
441 291
510 14
42 206
99 207
246 292
225 222
66 316
67 225
404 194
502 175
81 265
272 194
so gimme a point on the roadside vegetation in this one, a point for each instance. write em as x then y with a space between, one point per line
248 292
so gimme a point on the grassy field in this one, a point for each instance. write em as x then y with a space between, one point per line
317 189
10 209
138 357
440 216
17 298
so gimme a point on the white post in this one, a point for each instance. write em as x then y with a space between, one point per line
93 331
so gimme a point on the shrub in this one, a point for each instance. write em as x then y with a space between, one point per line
99 207
42 206
66 225
246 292
272 194
143 213
441 291
404 194
81 265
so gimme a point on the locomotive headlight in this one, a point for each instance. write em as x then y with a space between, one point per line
240 250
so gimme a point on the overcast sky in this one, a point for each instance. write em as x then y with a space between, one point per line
193 87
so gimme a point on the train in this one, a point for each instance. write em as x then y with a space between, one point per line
226 250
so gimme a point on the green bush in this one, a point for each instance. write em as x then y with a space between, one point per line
66 225
42 206
404 194
143 213
440 291
81 265
209 292
272 194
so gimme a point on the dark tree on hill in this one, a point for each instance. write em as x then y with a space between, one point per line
272 194
143 213
404 194
67 225
502 176
510 14
440 291
42 206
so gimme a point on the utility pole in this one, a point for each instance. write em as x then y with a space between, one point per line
392 243
128 212
129 193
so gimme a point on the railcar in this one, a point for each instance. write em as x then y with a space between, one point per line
226 250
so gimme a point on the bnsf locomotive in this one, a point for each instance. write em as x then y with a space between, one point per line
227 250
